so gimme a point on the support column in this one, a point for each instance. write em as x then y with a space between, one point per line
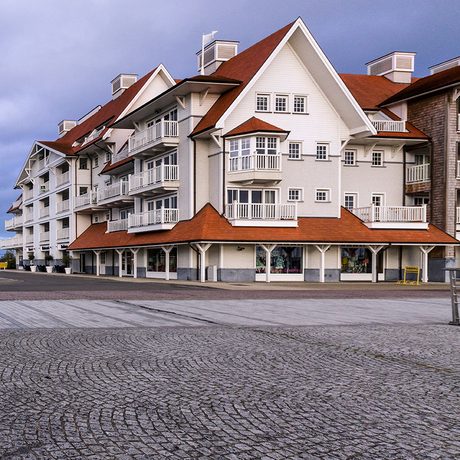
120 261
425 251
322 248
98 261
268 256
375 270
167 250
135 251
202 248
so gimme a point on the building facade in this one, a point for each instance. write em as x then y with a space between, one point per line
266 166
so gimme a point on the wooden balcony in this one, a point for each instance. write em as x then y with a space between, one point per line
63 234
114 194
28 194
11 243
255 168
160 136
393 217
159 219
160 179
85 202
63 206
390 126
14 223
62 179
418 173
261 214
117 225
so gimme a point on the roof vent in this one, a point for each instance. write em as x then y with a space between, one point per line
65 126
397 66
122 82
445 65
216 53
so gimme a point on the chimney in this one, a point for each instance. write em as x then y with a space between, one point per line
397 66
445 65
122 82
216 53
65 126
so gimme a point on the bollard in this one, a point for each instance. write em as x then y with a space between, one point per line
454 294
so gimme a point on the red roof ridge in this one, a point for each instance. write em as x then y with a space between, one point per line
252 125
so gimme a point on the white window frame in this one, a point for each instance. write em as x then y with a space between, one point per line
298 154
378 195
421 198
380 163
305 103
355 200
346 161
83 163
320 145
96 161
267 97
327 196
282 97
299 190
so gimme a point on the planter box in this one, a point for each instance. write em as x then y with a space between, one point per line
68 270
33 268
49 269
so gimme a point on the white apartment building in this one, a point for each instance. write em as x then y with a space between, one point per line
269 158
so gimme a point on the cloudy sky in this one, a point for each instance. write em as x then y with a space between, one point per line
57 57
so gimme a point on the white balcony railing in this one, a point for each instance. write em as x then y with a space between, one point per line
158 216
255 162
17 203
117 225
85 200
44 187
390 126
112 191
63 234
154 176
14 242
29 239
63 206
41 164
44 212
261 211
16 221
44 237
121 155
29 216
63 178
165 128
94 135
418 173
391 213
28 194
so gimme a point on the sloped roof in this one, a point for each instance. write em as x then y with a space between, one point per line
110 167
242 67
209 226
412 131
435 82
13 207
254 125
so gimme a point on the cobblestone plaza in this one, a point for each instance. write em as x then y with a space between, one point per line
239 380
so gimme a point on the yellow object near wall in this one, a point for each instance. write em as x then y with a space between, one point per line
408 270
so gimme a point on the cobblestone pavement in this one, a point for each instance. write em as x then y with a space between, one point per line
318 392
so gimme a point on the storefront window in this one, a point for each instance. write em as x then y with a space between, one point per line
156 259
284 259
356 260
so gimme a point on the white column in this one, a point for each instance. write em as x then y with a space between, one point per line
135 251
375 271
322 248
425 251
98 262
203 248
120 261
167 250
268 259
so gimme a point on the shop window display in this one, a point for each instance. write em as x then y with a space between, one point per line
156 260
356 260
284 259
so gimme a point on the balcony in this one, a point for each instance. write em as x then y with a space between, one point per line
30 239
63 206
261 214
115 193
17 203
393 217
390 126
62 179
159 219
418 173
44 237
28 194
255 168
29 216
85 201
159 179
63 234
10 243
160 136
44 212
14 223
117 225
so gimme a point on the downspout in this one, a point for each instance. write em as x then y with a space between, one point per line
197 262
404 177
194 176
223 176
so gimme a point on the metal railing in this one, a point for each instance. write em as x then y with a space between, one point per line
112 191
255 162
391 213
418 173
164 128
261 211
62 178
117 225
158 216
154 176
390 126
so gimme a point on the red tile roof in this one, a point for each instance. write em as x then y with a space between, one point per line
242 67
427 84
208 225
254 125
110 167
